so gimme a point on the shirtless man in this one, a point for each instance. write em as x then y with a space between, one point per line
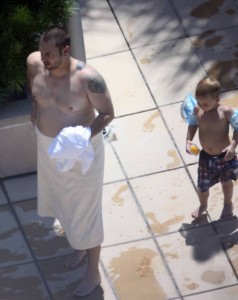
66 92
217 160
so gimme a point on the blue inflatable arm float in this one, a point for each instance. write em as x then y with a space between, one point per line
234 120
187 108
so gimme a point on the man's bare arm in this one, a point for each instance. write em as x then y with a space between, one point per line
100 98
31 71
33 103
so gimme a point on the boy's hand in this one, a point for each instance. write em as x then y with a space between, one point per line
188 145
230 152
192 148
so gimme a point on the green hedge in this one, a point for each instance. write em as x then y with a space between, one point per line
21 24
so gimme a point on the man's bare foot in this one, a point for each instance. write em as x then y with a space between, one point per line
88 285
196 214
227 211
75 259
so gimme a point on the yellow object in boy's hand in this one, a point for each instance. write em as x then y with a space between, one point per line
194 149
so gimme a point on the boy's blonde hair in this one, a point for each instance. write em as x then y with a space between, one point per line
208 86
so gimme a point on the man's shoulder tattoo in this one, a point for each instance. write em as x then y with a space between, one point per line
81 65
96 84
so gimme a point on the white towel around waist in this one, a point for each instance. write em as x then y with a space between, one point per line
71 197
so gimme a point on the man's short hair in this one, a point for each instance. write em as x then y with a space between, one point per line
59 34
208 86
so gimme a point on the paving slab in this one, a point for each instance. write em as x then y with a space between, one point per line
102 34
167 199
63 281
230 99
201 16
13 248
120 210
136 134
22 282
197 260
171 69
138 272
229 292
147 22
217 51
108 289
3 199
232 248
44 235
21 188
113 170
228 234
125 82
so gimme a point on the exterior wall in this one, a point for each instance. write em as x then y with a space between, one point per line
18 153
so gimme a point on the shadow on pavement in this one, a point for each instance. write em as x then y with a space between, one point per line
209 238
97 294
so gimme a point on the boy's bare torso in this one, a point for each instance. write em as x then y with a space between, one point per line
60 101
214 129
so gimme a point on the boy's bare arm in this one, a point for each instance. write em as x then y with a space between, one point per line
234 141
191 132
190 135
230 150
233 122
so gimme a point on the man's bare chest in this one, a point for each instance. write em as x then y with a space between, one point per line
63 93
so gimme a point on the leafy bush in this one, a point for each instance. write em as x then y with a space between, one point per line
21 24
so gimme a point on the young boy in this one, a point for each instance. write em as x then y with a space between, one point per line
217 160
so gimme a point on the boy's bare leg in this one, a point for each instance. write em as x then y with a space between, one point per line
203 197
75 259
92 278
227 188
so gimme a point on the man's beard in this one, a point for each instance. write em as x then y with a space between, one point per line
50 67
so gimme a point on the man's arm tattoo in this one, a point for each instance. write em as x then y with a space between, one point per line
96 84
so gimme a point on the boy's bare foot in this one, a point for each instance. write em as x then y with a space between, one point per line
227 211
88 285
196 214
75 259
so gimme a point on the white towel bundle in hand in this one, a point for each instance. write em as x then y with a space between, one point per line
70 146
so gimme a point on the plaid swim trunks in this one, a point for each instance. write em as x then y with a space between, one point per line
213 169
